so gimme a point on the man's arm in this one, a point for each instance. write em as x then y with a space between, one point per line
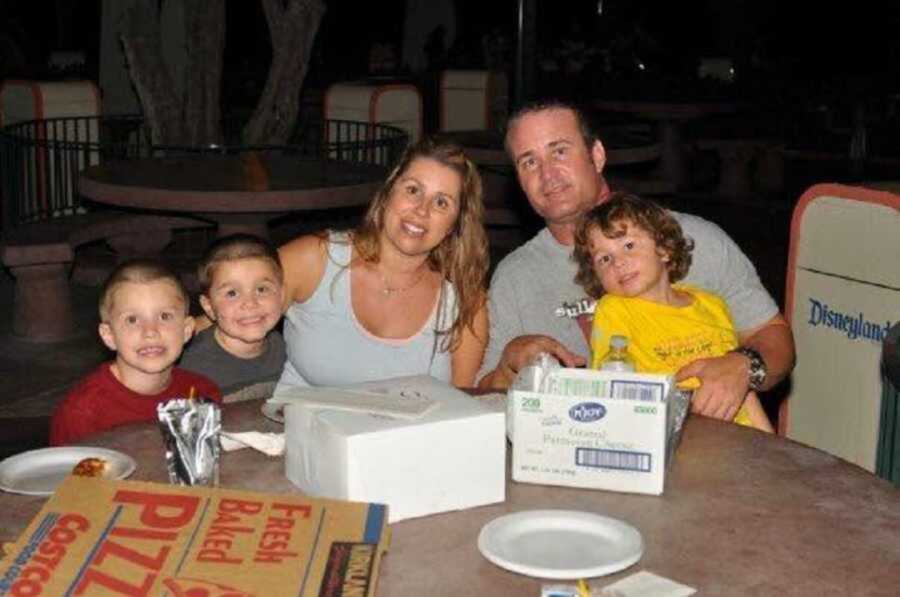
521 351
775 342
719 265
504 318
725 380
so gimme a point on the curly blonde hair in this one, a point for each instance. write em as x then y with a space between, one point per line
612 218
462 257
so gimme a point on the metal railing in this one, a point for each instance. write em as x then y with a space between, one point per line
40 159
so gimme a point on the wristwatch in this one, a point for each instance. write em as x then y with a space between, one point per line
758 369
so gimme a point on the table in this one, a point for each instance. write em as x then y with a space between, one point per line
669 116
743 513
241 193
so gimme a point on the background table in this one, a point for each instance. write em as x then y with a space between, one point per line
239 192
743 513
670 116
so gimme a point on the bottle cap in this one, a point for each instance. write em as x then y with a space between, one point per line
618 341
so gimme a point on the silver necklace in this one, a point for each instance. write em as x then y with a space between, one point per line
388 290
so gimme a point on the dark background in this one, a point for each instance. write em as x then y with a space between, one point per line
805 41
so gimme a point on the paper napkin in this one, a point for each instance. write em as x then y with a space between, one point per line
646 584
271 444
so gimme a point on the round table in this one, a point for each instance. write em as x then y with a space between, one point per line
743 513
241 193
670 116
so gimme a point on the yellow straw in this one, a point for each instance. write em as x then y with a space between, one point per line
192 393
583 589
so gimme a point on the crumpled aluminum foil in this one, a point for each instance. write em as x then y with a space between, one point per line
679 405
190 430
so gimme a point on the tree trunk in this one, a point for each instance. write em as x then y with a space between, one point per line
205 23
193 117
293 25
141 40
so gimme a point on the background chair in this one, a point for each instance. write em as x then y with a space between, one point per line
843 293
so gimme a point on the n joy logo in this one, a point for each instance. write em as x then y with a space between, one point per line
587 412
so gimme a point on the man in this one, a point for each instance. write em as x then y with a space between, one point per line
535 304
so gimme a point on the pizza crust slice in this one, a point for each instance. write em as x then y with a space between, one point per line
91 467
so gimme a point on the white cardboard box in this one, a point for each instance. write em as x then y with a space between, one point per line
454 457
594 429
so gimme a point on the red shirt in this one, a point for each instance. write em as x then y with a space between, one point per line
100 402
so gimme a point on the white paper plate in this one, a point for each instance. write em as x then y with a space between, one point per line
38 472
274 412
560 543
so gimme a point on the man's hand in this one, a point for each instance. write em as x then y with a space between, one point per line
725 380
723 384
521 351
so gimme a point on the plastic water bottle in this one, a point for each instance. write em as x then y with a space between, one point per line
617 358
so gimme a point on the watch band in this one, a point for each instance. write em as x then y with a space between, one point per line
758 369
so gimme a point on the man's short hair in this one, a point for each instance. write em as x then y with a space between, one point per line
138 271
233 248
612 217
587 132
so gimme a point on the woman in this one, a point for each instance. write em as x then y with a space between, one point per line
403 293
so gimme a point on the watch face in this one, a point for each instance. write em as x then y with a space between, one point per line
757 367
757 377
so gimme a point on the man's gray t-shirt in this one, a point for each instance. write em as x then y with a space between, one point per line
204 355
533 289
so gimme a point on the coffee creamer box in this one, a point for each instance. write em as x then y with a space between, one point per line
593 429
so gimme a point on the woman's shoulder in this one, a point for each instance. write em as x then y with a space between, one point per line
303 262
304 247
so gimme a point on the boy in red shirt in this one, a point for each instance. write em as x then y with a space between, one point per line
144 319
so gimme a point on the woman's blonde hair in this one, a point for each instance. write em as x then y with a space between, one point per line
462 257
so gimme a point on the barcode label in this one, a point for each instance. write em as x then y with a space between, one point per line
613 459
637 390
568 386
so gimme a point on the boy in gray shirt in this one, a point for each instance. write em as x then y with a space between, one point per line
242 290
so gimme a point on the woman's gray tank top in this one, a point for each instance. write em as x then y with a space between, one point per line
328 346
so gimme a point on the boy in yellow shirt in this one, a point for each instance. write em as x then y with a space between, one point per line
630 252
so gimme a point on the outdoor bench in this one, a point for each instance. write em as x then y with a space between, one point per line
40 255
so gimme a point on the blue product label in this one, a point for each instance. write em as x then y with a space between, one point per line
587 412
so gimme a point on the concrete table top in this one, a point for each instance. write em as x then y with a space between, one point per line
743 513
241 193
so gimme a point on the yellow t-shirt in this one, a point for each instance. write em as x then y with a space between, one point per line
664 338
